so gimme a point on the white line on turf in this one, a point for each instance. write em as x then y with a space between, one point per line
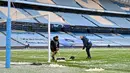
95 69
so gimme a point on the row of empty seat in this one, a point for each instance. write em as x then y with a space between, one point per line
75 19
64 39
123 6
100 21
16 15
32 16
22 38
122 22
116 39
92 4
96 40
31 38
109 5
23 15
89 4
3 41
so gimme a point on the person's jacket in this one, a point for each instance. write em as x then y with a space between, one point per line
86 42
54 44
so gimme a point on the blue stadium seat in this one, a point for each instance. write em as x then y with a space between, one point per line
2 15
109 5
75 19
71 3
32 38
40 19
26 14
122 22
101 21
3 42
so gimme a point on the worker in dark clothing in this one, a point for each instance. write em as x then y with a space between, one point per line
86 44
54 46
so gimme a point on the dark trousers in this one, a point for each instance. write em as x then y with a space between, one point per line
88 50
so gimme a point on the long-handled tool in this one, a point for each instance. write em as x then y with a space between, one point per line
73 57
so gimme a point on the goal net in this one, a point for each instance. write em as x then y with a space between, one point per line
29 39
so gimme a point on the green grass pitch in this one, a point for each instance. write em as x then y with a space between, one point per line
112 60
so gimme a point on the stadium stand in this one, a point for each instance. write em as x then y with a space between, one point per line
3 42
100 29
45 1
54 18
16 15
96 40
92 4
122 22
65 39
75 19
126 39
40 19
2 16
89 4
101 21
125 2
28 15
109 5
126 8
31 38
115 38
26 0
70 3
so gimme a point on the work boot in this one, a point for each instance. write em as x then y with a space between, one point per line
88 58
53 58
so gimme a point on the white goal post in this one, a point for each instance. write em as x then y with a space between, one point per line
49 31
